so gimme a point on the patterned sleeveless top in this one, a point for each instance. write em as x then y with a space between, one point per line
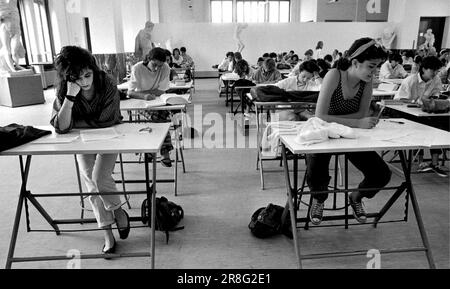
341 106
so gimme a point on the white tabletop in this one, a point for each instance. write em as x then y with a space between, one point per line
415 111
139 104
230 76
394 80
130 140
187 85
386 136
378 92
172 85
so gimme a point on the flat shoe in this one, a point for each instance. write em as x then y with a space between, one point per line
124 232
166 163
111 250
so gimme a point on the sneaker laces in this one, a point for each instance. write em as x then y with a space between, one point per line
317 209
359 208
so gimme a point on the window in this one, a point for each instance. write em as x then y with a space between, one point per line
221 11
250 11
36 31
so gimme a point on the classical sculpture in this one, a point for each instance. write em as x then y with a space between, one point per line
11 48
237 36
429 39
388 37
143 43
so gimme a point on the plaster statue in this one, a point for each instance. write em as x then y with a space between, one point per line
237 36
388 37
429 39
11 48
143 42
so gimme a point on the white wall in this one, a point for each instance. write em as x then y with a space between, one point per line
308 10
407 14
209 47
134 18
208 42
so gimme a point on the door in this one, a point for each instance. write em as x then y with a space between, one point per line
436 24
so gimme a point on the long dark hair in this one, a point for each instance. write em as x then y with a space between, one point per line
70 62
375 51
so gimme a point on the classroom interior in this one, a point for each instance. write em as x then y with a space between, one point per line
221 187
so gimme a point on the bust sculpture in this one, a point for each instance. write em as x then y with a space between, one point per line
429 39
388 37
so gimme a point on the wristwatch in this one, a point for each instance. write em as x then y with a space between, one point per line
71 98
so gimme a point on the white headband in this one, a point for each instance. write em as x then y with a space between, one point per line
362 48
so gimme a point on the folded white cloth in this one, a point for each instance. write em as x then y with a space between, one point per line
316 130
271 137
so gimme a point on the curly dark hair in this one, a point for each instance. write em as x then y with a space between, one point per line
242 68
371 53
310 66
70 63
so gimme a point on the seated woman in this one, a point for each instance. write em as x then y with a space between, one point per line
421 86
87 97
267 73
243 70
345 98
227 63
392 69
173 73
293 60
307 80
177 59
149 79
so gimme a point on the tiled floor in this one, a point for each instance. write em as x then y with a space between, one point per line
219 193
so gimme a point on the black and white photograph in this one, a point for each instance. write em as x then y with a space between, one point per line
225 140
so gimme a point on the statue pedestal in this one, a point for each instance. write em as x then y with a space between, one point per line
21 90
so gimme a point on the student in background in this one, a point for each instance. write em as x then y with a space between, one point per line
293 61
225 64
416 65
173 74
242 69
408 57
392 69
307 80
177 59
420 86
329 60
318 51
280 59
273 55
308 55
267 73
87 97
288 56
344 98
259 63
324 67
187 62
296 70
266 55
335 56
237 58
150 78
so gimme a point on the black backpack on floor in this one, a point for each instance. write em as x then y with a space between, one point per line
266 222
168 215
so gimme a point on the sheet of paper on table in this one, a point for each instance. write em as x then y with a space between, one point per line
98 134
56 139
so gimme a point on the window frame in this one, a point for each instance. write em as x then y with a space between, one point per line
27 24
238 19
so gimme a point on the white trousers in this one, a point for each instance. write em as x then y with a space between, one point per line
96 171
